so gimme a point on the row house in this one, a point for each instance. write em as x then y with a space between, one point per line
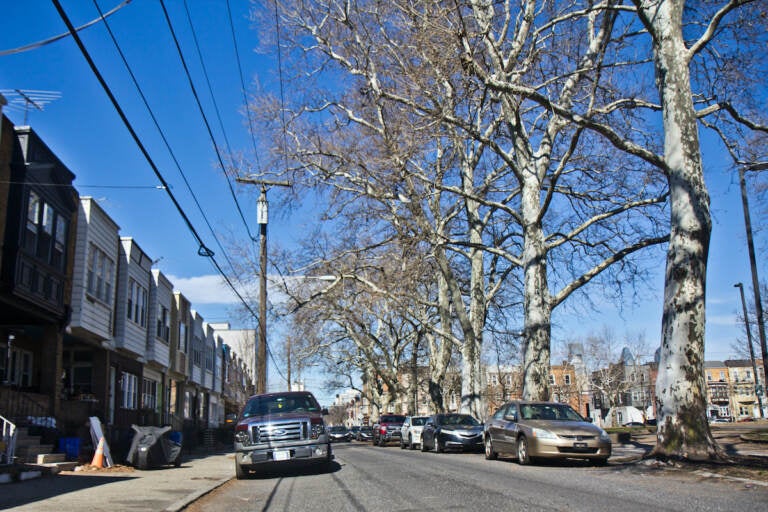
742 386
87 326
37 235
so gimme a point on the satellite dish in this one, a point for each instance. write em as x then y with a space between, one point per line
21 100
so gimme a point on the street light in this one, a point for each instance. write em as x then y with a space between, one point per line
758 166
758 392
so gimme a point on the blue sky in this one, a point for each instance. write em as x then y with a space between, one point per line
84 130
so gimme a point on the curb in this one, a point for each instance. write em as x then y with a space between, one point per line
189 498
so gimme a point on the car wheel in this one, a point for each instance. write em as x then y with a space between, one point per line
402 444
438 447
490 454
240 473
523 458
600 462
423 444
410 442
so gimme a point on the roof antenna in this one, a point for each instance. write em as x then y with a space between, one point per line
18 99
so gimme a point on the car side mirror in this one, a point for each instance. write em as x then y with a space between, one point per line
511 416
324 411
589 419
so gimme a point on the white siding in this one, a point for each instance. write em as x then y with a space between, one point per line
161 295
134 264
90 314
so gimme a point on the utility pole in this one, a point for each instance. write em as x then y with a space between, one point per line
262 217
751 349
762 166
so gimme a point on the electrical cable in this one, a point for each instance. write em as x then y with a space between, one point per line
205 118
202 249
162 133
38 44
251 127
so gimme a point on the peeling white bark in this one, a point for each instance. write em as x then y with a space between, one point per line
681 396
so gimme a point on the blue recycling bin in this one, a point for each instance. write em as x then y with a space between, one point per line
70 447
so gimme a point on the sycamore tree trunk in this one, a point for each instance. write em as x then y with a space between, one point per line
472 389
537 308
683 431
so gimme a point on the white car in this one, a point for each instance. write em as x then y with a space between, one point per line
410 432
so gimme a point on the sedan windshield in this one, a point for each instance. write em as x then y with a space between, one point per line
557 412
458 419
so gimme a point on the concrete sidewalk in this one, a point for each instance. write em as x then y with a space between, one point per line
121 488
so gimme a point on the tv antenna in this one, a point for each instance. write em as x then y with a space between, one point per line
22 100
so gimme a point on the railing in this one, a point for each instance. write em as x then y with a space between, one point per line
19 406
7 442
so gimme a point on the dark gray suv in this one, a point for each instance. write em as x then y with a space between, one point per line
280 428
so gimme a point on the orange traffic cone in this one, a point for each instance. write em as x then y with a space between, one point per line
98 457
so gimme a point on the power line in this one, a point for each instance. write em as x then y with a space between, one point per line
202 249
161 132
251 127
205 118
38 44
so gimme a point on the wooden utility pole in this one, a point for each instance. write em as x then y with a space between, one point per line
262 218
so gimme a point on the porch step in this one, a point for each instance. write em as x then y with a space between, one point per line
49 458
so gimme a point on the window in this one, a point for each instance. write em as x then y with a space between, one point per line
209 355
149 394
494 379
99 278
709 377
33 218
567 379
552 378
722 376
130 389
183 337
137 303
508 379
163 330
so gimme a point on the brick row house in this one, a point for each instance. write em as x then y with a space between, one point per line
87 326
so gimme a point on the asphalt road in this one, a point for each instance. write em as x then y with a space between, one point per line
368 478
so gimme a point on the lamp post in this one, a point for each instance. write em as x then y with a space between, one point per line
760 166
751 349
262 216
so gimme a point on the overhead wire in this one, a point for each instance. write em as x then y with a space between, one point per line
39 44
203 250
251 126
205 118
161 132
218 115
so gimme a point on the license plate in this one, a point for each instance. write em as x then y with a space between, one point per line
281 455
579 445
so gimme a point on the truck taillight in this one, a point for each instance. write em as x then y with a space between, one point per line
318 427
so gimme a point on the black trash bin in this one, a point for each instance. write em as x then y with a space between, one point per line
154 447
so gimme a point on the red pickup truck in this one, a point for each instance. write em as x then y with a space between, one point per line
387 429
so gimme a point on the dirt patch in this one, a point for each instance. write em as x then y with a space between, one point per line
117 468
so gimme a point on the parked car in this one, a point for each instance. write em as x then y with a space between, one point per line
281 428
632 424
387 430
452 431
551 430
339 433
365 433
353 430
410 432
719 420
